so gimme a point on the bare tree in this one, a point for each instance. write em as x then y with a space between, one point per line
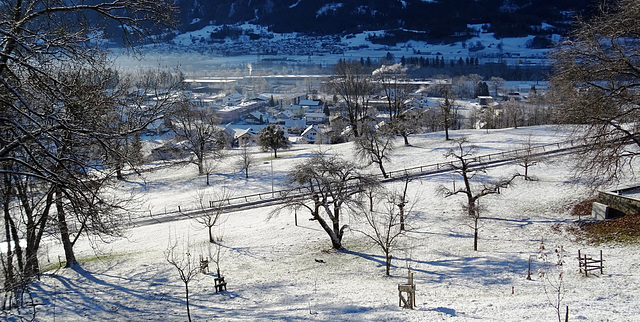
143 92
211 207
30 65
245 160
200 130
468 168
497 84
384 223
552 274
401 200
375 146
513 113
395 85
352 85
528 158
217 257
36 202
594 86
332 184
58 100
448 108
186 265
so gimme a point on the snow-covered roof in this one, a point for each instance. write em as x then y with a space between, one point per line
309 103
309 129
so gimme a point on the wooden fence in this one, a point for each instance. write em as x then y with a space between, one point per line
588 264
424 170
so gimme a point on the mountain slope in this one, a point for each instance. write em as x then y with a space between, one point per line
437 19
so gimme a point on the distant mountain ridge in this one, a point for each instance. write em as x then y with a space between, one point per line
440 20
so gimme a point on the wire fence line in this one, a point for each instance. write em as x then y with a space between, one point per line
278 196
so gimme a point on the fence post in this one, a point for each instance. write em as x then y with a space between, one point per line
579 261
586 270
601 262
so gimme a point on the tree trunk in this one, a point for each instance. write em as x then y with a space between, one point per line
446 122
475 235
9 281
388 263
200 166
119 175
334 234
384 173
211 235
354 125
65 236
406 138
336 242
339 231
186 288
401 210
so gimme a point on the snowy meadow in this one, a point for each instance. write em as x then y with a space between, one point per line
277 270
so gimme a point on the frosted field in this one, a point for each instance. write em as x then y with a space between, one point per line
272 273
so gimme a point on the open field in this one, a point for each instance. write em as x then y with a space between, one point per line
279 271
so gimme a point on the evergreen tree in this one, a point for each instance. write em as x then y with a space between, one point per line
272 138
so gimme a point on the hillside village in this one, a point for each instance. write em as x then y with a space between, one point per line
314 117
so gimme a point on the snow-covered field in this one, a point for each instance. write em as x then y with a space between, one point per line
272 273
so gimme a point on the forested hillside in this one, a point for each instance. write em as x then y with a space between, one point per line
436 20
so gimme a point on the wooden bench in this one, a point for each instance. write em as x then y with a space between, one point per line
204 265
220 284
410 289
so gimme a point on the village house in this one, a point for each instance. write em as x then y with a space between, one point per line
236 112
311 134
256 117
293 127
338 122
285 115
297 110
242 137
311 105
315 118
233 99
486 101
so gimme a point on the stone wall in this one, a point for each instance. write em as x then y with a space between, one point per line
618 205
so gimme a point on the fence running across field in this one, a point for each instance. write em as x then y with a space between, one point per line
274 197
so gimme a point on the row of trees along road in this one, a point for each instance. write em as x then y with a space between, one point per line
67 120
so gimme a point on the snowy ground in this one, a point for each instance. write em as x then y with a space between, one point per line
272 273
